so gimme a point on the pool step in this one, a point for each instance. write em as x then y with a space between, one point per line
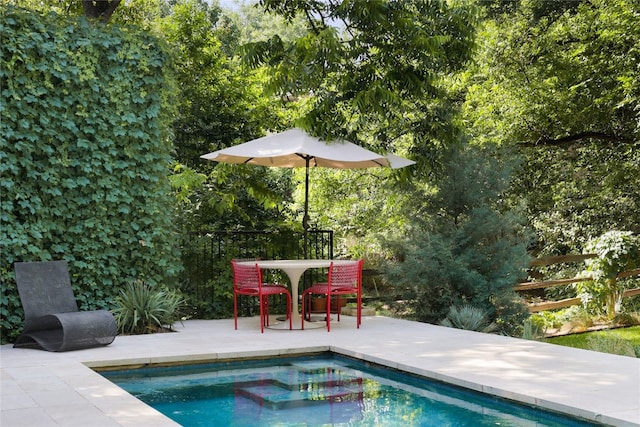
275 394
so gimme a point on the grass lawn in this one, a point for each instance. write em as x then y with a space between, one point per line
617 341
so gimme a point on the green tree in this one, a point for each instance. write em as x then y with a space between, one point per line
221 104
260 25
370 71
95 11
363 208
238 197
465 247
560 81
215 107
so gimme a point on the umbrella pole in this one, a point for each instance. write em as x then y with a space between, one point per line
305 218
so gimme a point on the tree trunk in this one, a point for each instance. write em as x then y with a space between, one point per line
612 298
99 11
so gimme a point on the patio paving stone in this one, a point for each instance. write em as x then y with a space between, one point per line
41 389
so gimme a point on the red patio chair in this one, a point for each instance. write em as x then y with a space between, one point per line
344 279
247 280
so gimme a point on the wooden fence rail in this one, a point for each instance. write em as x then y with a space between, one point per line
552 305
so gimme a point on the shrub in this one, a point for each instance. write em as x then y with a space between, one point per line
140 309
627 319
577 318
84 151
616 252
533 329
469 318
611 344
465 247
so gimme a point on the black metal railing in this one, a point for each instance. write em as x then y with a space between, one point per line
207 278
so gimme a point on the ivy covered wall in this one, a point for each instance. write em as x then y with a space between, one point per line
84 155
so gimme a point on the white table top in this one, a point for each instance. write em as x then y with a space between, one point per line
294 263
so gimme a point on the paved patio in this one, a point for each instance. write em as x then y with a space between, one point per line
42 389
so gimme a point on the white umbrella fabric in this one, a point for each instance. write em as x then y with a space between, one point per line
296 148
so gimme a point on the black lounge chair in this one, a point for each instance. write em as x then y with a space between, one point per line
52 320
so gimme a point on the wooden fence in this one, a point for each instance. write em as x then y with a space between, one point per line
551 260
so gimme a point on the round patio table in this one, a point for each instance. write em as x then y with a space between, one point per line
294 268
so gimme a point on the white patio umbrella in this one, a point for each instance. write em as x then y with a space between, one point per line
296 148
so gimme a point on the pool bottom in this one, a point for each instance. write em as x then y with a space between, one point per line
318 390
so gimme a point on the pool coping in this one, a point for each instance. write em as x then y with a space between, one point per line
594 386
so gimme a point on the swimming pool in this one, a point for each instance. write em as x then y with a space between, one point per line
318 390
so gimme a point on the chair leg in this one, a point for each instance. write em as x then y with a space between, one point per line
261 304
328 313
235 310
359 310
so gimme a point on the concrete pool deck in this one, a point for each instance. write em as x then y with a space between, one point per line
42 389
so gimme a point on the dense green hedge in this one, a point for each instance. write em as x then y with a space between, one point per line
84 156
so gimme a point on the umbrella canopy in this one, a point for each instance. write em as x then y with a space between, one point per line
296 148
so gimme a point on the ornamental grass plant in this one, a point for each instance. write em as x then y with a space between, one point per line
470 318
142 309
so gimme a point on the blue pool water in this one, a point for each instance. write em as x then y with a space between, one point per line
318 390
